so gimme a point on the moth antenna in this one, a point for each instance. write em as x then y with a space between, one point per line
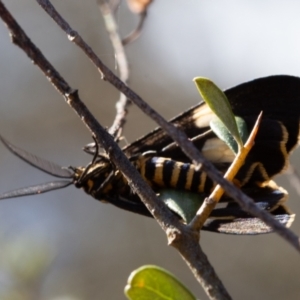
36 189
37 162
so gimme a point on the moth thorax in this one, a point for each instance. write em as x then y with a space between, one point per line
87 177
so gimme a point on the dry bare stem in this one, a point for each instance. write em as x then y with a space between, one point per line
122 63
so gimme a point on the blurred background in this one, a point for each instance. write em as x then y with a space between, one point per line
64 244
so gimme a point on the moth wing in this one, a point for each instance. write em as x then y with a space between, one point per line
231 219
250 225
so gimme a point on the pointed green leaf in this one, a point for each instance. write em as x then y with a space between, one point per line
223 133
219 104
155 283
184 204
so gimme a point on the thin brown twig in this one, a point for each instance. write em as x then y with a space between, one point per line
133 35
122 63
190 250
114 4
245 202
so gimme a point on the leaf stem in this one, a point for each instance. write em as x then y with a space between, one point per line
209 203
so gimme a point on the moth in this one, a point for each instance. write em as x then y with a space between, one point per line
164 166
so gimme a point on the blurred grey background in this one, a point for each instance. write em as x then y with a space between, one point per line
66 245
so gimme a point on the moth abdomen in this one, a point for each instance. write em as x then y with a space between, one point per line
162 172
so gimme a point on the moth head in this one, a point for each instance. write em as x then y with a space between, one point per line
94 173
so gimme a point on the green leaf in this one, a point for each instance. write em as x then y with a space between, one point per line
223 133
184 204
155 283
219 104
